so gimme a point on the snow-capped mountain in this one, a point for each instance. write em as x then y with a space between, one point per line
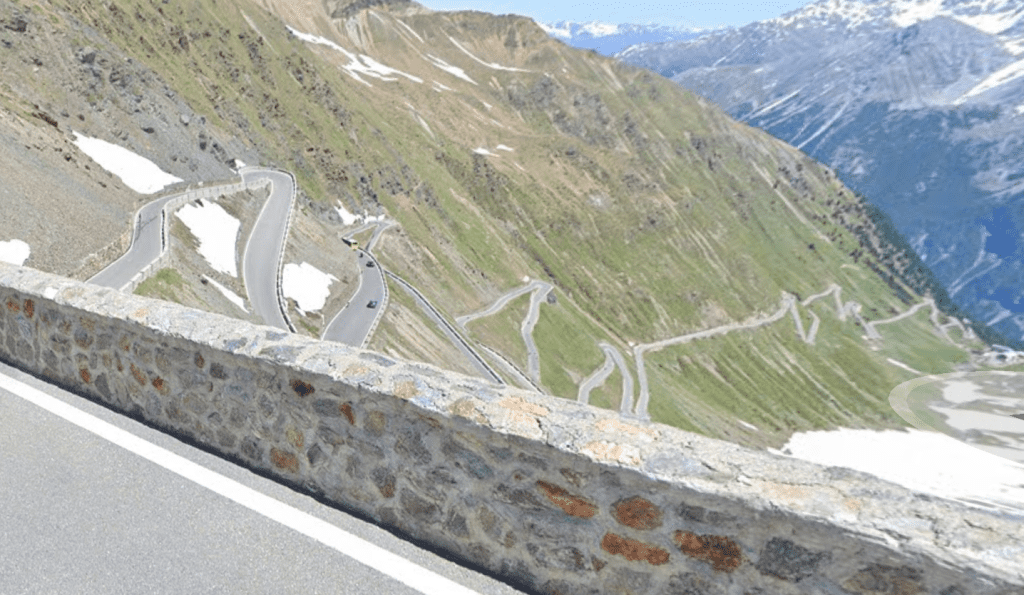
919 106
608 39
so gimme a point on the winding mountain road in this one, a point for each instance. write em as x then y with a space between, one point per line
638 351
264 251
353 323
539 290
612 358
261 260
148 243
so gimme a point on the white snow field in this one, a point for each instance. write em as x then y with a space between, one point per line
14 252
217 232
307 285
137 172
928 462
232 296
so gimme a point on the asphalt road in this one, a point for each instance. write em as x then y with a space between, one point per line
146 246
352 324
262 256
93 502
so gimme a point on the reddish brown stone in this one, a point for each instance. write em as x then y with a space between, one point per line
13 306
139 376
633 550
346 409
598 563
723 553
638 513
573 505
303 389
199 361
86 376
30 308
284 460
158 383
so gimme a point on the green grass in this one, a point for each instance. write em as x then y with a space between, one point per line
500 331
165 285
689 237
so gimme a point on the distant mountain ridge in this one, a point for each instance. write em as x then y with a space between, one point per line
917 106
608 39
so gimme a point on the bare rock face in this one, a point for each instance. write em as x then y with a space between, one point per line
343 9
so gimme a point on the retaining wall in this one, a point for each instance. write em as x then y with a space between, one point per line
554 495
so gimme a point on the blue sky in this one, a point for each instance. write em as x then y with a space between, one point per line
707 14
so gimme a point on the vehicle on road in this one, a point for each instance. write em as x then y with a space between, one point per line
372 304
370 264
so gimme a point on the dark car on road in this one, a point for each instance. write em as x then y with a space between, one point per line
370 263
372 304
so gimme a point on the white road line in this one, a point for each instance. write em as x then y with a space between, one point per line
381 560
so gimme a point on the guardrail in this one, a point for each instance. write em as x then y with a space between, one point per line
383 302
511 365
208 192
282 304
448 325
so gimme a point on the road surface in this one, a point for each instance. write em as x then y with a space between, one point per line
612 358
147 245
261 260
353 323
94 502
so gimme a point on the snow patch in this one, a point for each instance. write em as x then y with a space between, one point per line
454 70
1002 76
232 296
900 364
910 13
1019 109
14 252
746 425
483 151
992 23
928 462
439 87
137 172
217 232
307 285
346 217
565 33
410 30
504 148
487 64
597 29
358 64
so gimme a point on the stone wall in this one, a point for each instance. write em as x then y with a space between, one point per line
554 495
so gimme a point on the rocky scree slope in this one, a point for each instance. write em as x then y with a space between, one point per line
917 106
61 77
505 154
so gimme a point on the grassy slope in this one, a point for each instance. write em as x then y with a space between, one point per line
645 207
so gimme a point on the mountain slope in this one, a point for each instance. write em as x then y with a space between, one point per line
916 106
609 39
505 154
